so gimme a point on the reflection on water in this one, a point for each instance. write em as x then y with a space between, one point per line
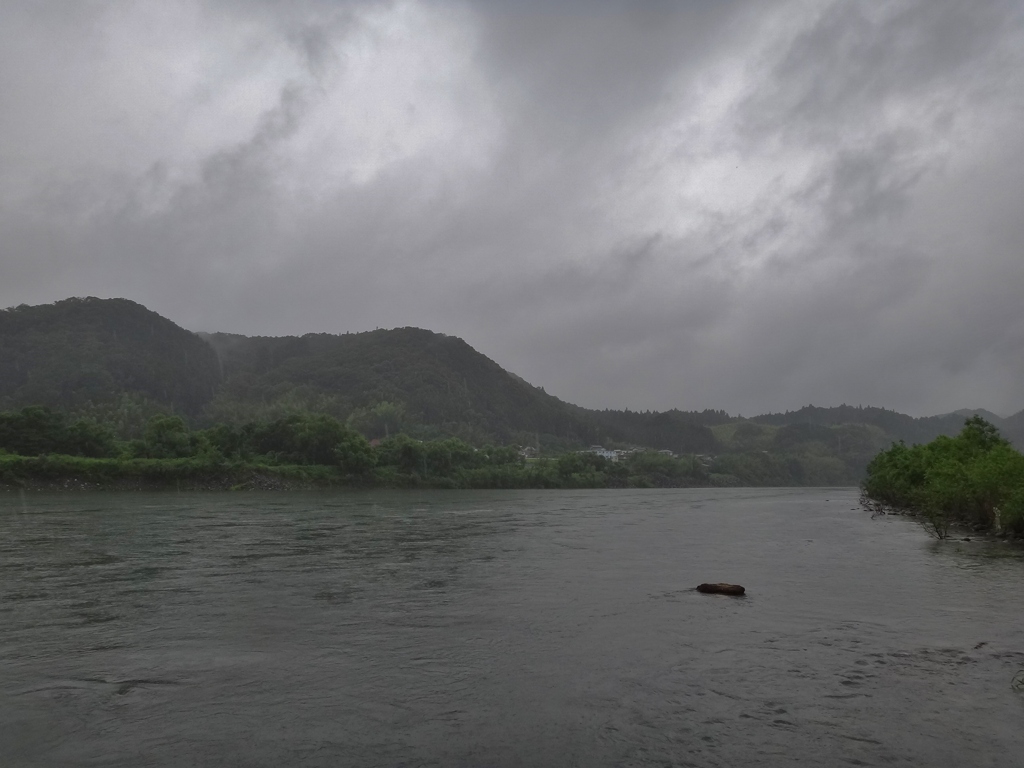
501 629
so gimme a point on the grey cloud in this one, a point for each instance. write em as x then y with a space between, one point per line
843 68
695 205
584 67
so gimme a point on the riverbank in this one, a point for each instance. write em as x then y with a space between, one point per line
56 472
955 530
74 473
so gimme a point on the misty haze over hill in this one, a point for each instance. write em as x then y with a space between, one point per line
735 205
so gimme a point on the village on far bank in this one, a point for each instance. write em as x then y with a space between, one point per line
616 455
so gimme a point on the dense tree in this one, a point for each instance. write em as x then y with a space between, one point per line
80 352
975 478
38 430
166 437
354 455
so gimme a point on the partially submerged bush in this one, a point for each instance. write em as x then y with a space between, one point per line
975 478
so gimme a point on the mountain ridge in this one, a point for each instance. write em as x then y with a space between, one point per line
85 350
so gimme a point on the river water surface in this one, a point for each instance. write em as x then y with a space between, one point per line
494 628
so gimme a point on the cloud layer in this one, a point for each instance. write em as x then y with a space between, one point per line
740 205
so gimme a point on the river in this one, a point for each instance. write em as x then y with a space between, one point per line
501 628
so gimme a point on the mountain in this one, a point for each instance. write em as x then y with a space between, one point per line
897 426
78 352
119 361
966 413
425 383
388 380
1012 428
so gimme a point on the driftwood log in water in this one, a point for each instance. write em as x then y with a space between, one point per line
721 589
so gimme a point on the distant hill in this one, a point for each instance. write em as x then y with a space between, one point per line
898 426
421 382
988 416
389 380
83 351
1012 427
104 357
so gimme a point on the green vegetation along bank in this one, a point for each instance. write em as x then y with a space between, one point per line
974 480
43 449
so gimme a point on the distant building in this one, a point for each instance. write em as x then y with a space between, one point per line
603 452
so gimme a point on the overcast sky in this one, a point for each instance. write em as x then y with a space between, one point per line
741 205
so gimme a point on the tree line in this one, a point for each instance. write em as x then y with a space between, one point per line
38 442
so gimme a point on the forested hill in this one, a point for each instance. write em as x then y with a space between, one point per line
79 352
385 381
898 426
423 383
116 361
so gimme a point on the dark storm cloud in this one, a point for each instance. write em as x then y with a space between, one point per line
739 205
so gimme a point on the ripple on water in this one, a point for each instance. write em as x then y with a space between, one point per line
502 628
